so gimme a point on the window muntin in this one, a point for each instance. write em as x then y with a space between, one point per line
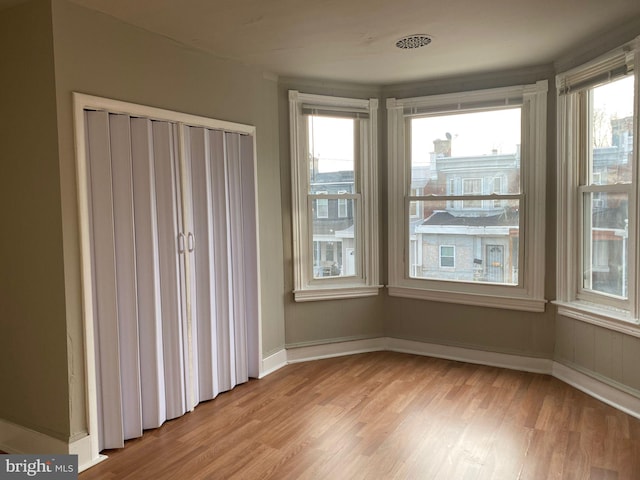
333 154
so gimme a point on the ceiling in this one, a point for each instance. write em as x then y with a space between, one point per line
354 40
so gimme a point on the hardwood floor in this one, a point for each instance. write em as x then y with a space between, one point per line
388 415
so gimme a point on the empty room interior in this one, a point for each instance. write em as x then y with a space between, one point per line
295 239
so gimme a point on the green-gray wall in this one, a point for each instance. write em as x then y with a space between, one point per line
33 341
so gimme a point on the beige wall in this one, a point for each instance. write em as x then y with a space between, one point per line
33 343
98 55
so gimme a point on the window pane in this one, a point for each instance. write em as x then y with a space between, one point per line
605 256
483 247
334 241
331 154
467 153
611 126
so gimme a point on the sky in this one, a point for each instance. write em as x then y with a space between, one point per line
478 133
331 140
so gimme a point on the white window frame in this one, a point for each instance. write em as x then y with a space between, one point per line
572 301
365 201
528 295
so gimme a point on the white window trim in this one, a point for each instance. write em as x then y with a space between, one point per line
365 282
529 295
568 206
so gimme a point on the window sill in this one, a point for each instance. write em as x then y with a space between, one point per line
335 293
480 300
617 320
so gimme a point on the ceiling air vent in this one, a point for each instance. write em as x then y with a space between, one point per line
413 41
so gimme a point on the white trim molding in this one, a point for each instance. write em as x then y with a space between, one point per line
22 440
480 357
273 362
596 388
337 349
603 389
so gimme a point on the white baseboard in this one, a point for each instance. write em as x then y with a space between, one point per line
597 388
328 350
615 397
18 439
21 440
492 359
84 449
273 362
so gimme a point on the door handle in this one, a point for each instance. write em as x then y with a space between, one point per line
191 242
181 242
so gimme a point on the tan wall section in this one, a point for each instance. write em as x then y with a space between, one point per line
488 329
98 55
33 344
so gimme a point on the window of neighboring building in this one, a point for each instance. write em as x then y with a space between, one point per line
471 187
598 191
479 161
447 256
343 211
322 208
334 180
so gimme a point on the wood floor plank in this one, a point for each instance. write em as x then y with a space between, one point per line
388 415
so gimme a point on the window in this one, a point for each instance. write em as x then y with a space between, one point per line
471 187
598 191
447 256
334 181
343 211
322 208
478 159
